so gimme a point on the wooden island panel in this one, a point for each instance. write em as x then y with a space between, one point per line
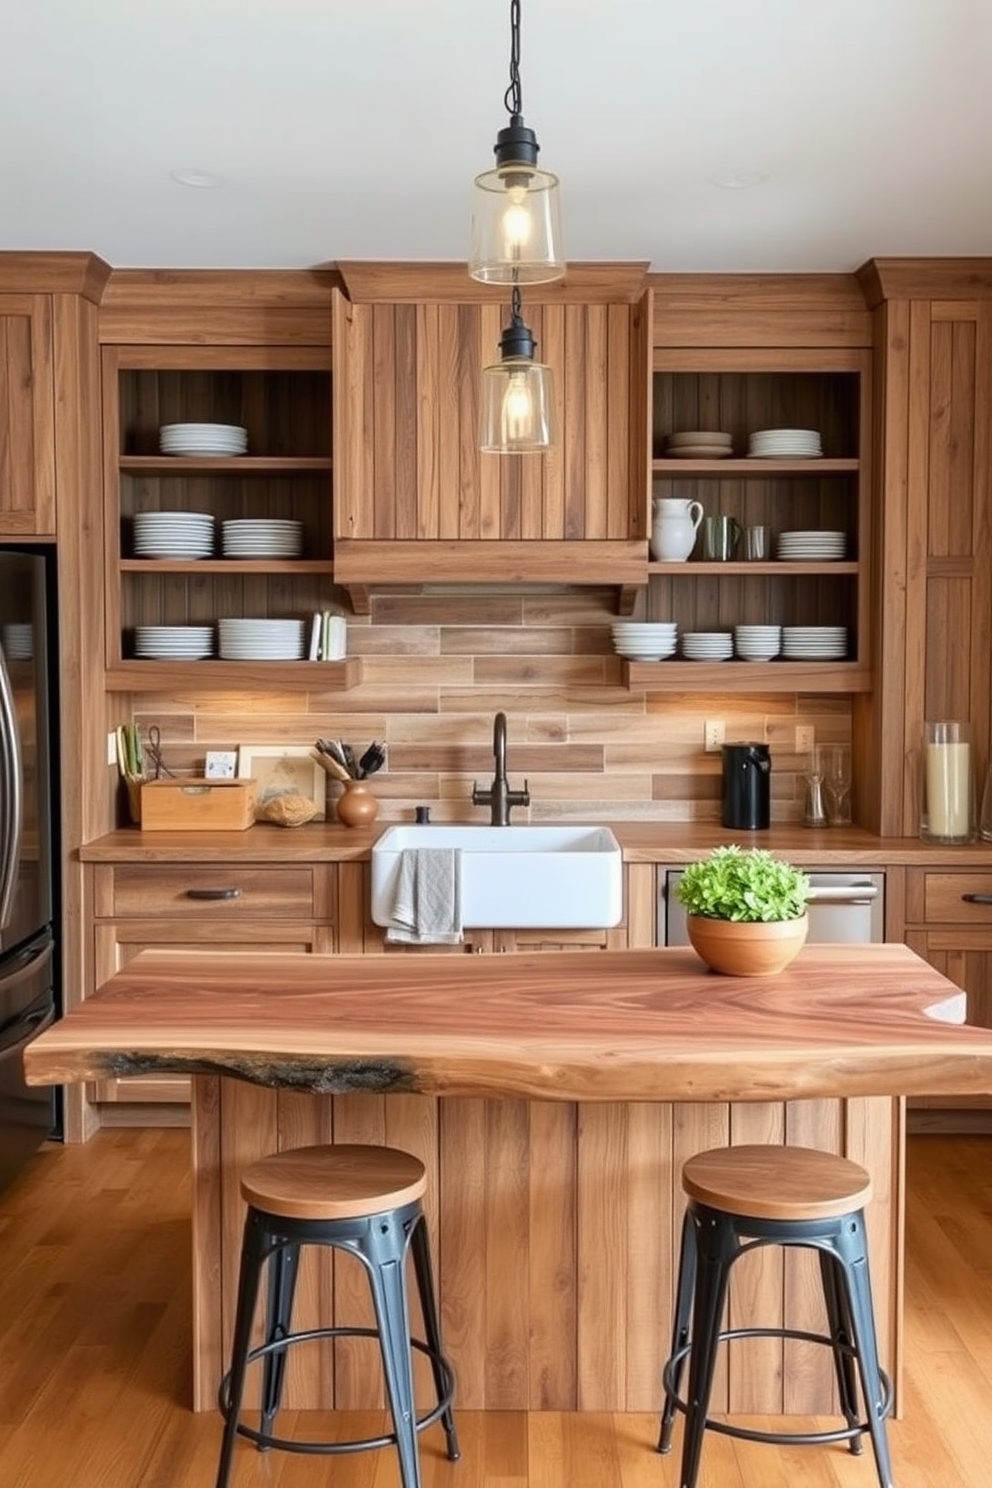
554 1229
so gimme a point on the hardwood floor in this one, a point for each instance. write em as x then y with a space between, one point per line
94 1345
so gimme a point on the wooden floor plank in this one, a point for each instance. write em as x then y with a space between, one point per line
95 1381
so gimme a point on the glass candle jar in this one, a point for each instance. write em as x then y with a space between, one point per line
947 812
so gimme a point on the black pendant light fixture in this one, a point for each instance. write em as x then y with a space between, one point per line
516 239
516 218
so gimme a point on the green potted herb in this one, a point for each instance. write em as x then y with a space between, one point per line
746 910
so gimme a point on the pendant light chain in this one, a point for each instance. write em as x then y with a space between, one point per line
513 97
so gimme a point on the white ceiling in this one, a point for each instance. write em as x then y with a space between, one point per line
353 128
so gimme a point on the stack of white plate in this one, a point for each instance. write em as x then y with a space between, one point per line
645 640
757 642
260 640
173 534
699 444
808 547
814 642
261 537
707 645
18 640
203 439
174 642
785 444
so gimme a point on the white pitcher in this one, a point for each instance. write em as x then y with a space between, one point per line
674 524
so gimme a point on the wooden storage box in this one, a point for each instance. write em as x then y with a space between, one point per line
193 805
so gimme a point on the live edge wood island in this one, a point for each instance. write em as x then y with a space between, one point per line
553 1098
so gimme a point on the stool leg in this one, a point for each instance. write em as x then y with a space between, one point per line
253 1251
852 1270
420 1246
386 1254
283 1267
716 1247
839 1323
680 1329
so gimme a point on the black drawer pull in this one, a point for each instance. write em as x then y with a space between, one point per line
213 893
977 898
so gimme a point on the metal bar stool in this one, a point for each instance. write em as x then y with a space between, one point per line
740 1198
366 1201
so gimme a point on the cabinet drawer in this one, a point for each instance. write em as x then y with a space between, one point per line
944 898
212 891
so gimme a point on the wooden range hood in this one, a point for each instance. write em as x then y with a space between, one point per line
415 501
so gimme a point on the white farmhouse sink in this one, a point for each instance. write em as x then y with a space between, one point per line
515 878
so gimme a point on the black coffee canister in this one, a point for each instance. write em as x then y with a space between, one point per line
747 772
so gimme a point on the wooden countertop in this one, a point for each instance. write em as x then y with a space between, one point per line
642 842
627 1025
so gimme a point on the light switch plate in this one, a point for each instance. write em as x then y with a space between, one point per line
805 738
713 734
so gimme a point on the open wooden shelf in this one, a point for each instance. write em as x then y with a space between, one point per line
295 566
774 568
288 676
677 675
754 469
181 465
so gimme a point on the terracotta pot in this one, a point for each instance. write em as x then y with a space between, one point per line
357 806
747 948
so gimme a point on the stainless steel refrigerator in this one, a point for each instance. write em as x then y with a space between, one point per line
28 723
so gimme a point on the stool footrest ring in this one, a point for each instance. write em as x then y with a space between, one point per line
264 1441
783 1438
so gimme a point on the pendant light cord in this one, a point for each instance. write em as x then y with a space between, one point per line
513 97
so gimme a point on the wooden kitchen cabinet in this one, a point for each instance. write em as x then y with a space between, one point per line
949 922
415 499
933 336
27 416
952 931
282 396
184 906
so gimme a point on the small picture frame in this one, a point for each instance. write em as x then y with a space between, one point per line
221 764
282 769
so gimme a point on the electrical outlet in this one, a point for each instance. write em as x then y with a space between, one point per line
111 748
805 738
713 730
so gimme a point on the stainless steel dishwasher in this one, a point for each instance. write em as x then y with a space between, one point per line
847 907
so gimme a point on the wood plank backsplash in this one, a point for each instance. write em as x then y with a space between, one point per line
437 666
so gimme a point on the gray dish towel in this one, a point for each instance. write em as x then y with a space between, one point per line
427 909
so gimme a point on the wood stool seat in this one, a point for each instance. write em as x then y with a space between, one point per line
364 1201
333 1182
776 1182
742 1198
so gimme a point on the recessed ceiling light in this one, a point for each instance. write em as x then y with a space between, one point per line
201 180
738 180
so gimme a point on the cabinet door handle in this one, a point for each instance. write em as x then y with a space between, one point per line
213 893
977 898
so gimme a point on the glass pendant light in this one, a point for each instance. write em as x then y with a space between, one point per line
516 217
516 397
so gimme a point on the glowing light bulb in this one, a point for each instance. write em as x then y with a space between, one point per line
516 223
517 416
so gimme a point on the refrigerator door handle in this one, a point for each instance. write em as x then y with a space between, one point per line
11 795
19 1033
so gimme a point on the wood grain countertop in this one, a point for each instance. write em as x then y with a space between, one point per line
626 1025
641 842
